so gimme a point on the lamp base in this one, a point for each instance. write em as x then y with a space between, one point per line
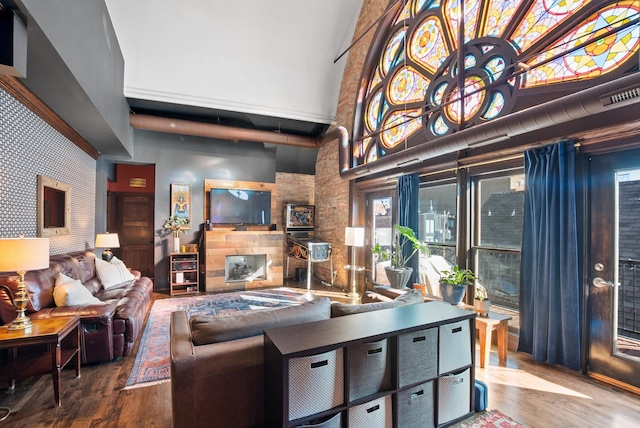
107 255
22 322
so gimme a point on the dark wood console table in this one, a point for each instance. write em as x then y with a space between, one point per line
50 332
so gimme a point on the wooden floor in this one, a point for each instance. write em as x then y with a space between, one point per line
534 394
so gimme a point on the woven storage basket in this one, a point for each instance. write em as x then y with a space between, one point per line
417 356
334 421
415 406
316 383
454 396
369 369
455 346
376 413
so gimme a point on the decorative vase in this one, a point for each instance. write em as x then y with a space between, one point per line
176 244
481 307
452 294
398 278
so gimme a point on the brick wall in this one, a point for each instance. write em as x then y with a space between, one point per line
293 189
332 192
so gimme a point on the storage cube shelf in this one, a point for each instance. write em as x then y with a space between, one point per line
372 369
183 273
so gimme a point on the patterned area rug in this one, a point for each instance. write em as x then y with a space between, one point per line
489 419
152 360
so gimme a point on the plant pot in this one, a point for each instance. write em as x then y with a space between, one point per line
421 287
481 307
452 294
398 278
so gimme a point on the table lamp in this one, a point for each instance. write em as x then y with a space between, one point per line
107 241
21 255
354 237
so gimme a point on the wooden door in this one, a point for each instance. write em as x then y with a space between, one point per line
614 330
131 216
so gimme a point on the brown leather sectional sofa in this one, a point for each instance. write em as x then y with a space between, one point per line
107 330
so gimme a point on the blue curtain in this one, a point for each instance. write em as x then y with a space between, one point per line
408 194
550 282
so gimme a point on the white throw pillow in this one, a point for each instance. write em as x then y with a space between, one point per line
112 273
71 292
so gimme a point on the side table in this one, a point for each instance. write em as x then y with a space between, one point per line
485 326
50 332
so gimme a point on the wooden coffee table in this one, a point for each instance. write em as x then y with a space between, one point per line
49 332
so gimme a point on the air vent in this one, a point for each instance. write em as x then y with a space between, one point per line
620 97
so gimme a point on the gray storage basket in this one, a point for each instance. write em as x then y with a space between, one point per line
417 356
334 421
316 383
376 413
369 369
455 346
454 396
415 406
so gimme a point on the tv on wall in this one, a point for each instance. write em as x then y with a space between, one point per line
239 206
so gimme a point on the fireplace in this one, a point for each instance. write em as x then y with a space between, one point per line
246 268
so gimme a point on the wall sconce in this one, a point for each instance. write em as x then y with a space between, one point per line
21 255
354 237
107 241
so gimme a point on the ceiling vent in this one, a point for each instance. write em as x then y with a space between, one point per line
621 96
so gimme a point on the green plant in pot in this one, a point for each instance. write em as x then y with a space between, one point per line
481 302
398 273
453 284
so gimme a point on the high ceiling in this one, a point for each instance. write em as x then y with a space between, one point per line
263 64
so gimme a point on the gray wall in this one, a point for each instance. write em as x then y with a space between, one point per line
75 66
190 160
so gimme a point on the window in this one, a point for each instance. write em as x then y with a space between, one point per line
413 81
437 219
382 221
498 212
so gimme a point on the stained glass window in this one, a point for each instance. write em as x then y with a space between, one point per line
416 91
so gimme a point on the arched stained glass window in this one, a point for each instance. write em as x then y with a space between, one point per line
511 49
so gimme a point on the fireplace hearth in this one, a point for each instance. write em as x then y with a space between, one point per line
246 268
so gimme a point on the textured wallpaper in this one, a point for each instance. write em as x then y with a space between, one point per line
30 147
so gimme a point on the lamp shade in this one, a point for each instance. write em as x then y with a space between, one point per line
354 236
107 240
23 254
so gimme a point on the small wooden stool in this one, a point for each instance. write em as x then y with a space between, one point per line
485 326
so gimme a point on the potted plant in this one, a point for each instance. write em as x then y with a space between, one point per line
398 273
453 284
481 302
175 225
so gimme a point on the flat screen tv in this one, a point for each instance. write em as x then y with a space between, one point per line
239 206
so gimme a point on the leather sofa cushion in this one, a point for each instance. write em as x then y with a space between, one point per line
207 329
411 297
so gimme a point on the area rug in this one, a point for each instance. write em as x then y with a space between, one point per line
152 360
489 419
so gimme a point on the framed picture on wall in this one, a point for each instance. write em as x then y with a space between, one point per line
181 202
